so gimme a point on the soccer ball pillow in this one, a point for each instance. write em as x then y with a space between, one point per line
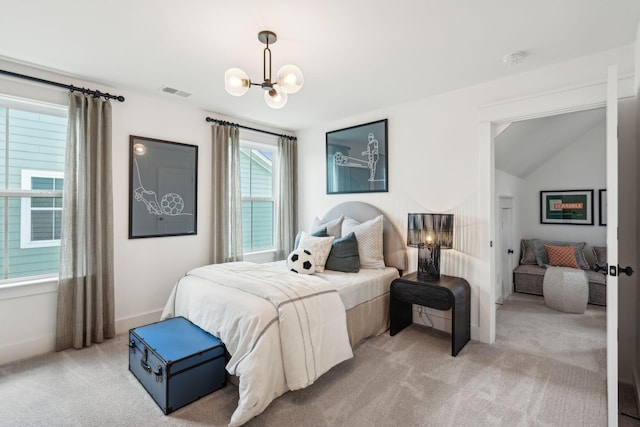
301 261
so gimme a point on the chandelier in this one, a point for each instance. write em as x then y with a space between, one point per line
288 80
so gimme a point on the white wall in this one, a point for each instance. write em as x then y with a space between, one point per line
580 166
437 164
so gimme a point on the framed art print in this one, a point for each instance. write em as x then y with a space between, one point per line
163 188
602 207
357 159
566 207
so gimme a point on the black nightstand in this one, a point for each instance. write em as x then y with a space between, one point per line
441 294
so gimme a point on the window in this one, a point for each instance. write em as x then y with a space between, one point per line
257 183
41 217
32 150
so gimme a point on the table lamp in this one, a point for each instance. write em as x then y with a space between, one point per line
429 233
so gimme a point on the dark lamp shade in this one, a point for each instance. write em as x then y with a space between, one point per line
430 229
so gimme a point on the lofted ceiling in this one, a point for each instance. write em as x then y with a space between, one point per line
524 146
356 55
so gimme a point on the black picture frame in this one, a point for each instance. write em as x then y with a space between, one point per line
567 207
357 159
602 207
163 188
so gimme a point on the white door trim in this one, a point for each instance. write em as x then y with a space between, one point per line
612 246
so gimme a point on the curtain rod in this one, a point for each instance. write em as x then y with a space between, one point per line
222 122
72 88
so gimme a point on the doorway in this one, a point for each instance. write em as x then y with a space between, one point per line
492 118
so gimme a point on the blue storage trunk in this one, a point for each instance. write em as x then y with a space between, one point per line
176 362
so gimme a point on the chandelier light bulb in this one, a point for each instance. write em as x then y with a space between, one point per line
290 79
275 98
236 82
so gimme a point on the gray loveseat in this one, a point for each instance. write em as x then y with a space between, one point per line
529 274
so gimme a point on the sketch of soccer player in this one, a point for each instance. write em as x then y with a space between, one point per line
372 155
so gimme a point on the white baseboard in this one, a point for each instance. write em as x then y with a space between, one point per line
431 319
46 343
123 325
27 348
475 332
439 319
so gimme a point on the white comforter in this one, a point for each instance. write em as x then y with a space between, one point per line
282 329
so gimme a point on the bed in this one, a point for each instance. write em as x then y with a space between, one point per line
284 330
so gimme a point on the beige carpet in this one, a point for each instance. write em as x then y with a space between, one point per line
546 368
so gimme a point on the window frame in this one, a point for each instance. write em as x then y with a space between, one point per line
264 143
26 209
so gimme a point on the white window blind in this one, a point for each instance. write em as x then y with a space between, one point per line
257 175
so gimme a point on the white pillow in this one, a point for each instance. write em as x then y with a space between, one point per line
319 247
334 227
370 240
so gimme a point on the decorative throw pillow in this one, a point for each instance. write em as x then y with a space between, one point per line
319 247
600 255
334 227
528 256
301 261
320 233
370 240
344 255
542 258
562 256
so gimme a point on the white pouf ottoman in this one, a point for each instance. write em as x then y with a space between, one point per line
566 289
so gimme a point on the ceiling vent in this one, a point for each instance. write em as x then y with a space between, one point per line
178 92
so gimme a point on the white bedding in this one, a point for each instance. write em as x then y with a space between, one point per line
258 311
356 288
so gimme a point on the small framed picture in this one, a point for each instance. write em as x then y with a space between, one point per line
163 187
573 207
357 159
602 207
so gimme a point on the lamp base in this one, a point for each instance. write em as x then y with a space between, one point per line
429 262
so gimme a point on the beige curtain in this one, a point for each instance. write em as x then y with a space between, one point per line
287 196
85 288
226 211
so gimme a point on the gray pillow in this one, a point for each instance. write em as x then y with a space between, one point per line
600 255
542 258
344 255
320 233
528 256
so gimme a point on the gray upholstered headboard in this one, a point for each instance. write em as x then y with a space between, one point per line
395 249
